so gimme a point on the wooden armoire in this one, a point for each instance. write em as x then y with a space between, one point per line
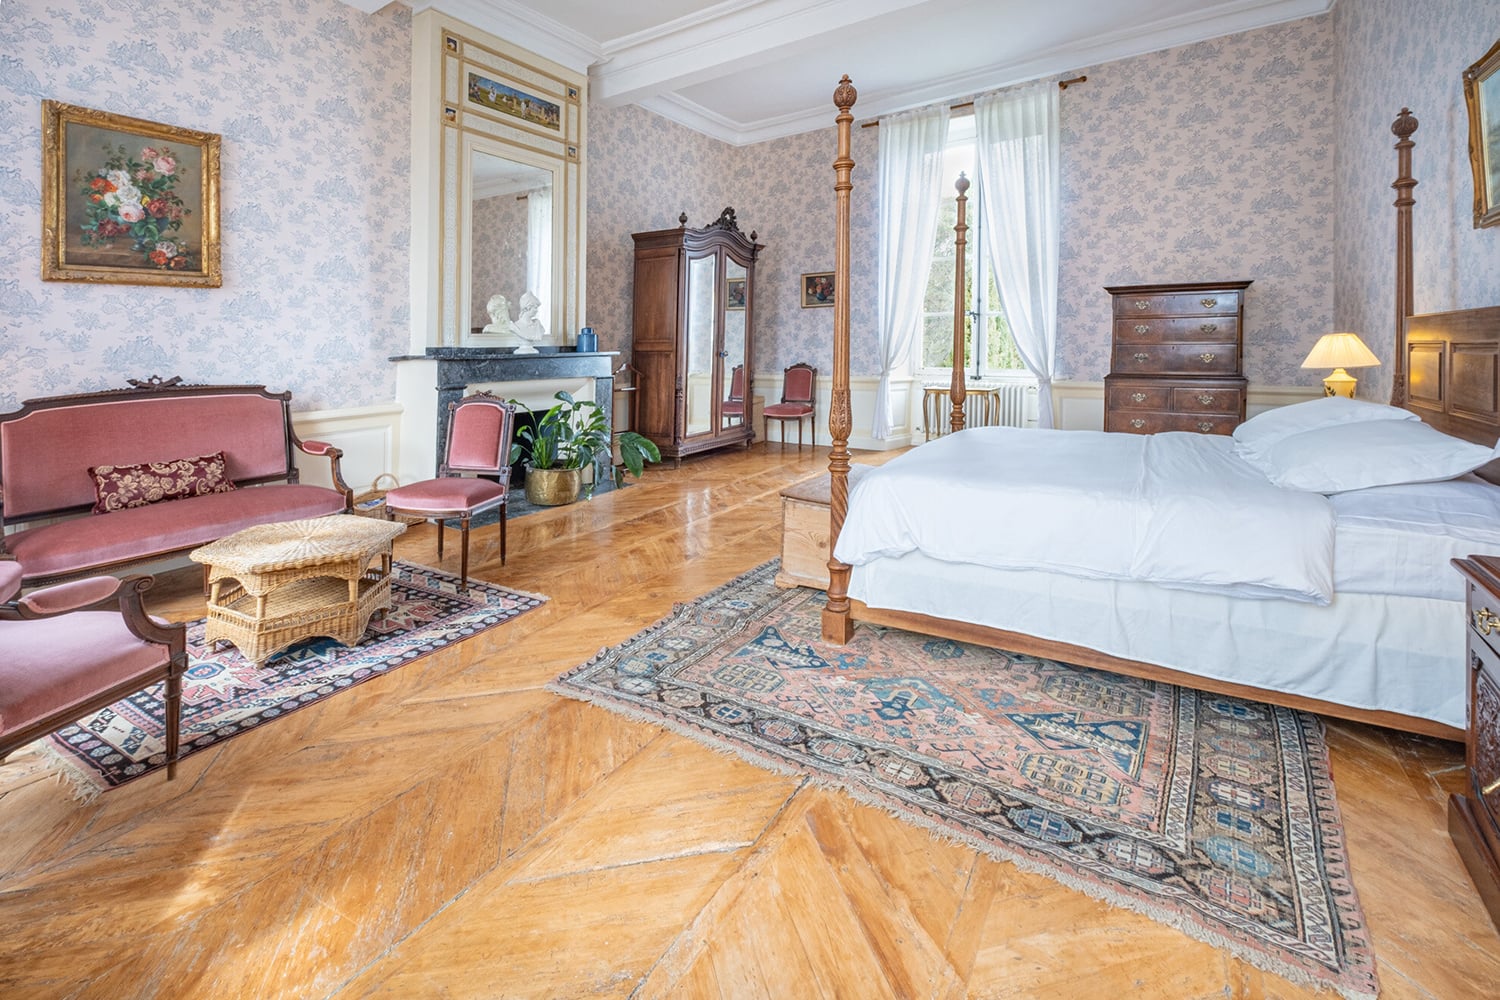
693 326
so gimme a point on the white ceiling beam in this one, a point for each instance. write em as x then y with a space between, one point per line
1225 19
725 39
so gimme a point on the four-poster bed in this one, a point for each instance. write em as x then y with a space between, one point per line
1377 652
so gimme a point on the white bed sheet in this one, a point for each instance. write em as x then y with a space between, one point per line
1368 651
1400 539
1180 510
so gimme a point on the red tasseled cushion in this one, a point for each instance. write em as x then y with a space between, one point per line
117 487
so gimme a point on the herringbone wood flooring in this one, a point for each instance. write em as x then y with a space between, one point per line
453 830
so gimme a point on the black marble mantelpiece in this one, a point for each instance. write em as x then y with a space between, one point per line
460 367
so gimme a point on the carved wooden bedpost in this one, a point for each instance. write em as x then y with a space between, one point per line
838 627
1402 128
956 390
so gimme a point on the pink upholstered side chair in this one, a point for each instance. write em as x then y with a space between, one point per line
734 406
72 649
480 429
799 385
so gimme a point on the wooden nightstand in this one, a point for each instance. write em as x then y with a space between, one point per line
1474 819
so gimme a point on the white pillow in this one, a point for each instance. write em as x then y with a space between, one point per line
1265 429
1356 456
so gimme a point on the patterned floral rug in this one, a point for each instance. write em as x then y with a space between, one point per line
1209 813
223 694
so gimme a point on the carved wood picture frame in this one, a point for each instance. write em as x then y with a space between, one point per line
1482 97
128 201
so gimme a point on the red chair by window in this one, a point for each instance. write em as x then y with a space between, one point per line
734 407
72 649
799 386
480 428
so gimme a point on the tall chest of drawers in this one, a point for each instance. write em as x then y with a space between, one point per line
1176 358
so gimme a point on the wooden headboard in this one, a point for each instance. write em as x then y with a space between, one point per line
1447 365
1452 365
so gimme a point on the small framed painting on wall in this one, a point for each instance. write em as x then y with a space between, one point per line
128 201
1482 96
817 289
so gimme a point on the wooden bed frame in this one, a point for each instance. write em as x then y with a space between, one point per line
1446 369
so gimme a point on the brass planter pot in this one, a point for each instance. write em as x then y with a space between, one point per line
553 487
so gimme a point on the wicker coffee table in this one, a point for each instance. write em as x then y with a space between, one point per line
274 585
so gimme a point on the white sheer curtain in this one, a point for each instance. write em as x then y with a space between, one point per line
1018 166
539 252
911 191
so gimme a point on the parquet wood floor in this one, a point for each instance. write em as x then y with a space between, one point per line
454 830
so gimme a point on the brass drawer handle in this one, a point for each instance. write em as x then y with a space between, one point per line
1138 423
1206 398
1490 789
1208 303
1205 425
1137 397
1208 328
1143 304
1486 620
1142 328
1141 356
1207 359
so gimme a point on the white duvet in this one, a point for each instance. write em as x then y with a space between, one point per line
1176 509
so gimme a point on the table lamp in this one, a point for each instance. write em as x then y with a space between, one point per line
1339 351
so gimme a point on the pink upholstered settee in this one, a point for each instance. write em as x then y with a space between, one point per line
48 447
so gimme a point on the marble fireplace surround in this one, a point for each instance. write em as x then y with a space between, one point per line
530 379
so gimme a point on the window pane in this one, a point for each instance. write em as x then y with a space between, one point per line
1001 353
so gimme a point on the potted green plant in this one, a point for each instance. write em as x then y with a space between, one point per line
564 442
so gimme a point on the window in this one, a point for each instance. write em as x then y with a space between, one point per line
995 353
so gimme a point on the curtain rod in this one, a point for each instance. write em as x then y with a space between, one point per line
1061 85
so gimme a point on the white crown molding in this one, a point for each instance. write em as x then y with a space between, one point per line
1226 19
728 37
522 26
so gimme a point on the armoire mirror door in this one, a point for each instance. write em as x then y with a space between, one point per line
733 353
700 331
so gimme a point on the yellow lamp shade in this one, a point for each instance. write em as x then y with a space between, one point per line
1339 351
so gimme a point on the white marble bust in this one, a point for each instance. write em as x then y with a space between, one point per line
528 326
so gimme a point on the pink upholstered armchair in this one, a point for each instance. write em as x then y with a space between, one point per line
72 649
480 429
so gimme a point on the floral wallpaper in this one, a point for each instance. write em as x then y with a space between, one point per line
644 170
1205 162
312 99
1390 56
499 261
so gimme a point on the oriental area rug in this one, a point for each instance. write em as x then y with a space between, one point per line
1208 813
224 694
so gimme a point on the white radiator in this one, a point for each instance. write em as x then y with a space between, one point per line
994 404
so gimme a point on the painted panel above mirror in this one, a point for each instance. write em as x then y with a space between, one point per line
487 115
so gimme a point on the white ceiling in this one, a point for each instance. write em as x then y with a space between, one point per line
748 70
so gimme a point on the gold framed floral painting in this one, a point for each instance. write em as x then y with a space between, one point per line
128 201
1482 97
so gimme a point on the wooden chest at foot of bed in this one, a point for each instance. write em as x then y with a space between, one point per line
805 530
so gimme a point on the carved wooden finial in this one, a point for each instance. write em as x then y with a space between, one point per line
962 184
844 95
682 220
753 235
1404 125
